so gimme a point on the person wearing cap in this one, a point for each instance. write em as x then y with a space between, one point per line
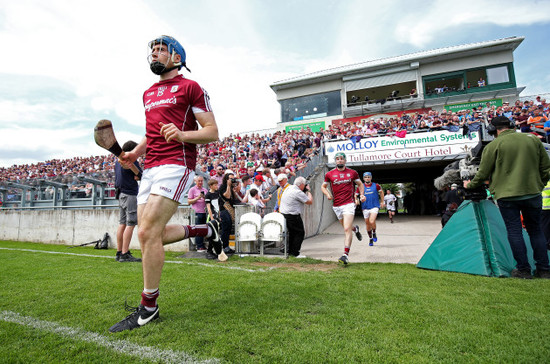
343 181
374 200
293 200
282 180
453 196
518 167
258 185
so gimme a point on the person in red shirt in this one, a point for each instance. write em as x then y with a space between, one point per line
343 182
174 108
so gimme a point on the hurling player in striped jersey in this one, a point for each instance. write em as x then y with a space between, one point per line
175 107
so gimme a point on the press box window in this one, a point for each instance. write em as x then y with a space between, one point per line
311 106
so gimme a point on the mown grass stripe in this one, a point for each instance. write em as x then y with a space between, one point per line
167 261
119 346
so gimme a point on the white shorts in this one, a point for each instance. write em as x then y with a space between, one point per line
171 181
340 211
367 212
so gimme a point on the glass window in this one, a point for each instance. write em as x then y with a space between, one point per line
311 106
497 75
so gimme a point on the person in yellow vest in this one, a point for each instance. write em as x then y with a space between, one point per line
545 218
282 179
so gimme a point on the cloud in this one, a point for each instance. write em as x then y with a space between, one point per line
420 26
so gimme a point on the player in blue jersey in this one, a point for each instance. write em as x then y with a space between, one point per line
374 200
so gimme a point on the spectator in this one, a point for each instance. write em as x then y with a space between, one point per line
196 198
126 192
293 200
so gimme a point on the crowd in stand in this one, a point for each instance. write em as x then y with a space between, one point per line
289 151
529 116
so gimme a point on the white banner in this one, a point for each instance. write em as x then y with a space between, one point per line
415 145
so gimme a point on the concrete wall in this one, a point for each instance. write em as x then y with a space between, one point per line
318 216
73 227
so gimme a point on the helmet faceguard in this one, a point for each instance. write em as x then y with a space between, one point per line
173 47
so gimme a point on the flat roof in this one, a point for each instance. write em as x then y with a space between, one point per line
434 55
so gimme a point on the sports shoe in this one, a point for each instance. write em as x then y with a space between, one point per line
118 254
228 250
374 238
136 319
214 239
523 274
128 257
358 233
371 242
211 256
343 260
542 274
201 250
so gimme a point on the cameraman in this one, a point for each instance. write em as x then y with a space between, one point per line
293 200
517 166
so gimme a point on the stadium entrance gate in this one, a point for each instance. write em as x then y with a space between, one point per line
416 158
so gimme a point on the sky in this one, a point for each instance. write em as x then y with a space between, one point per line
68 63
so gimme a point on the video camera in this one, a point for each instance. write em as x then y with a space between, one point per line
475 194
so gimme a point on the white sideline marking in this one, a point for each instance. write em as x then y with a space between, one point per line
119 346
167 261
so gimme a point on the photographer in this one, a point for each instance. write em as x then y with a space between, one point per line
229 197
517 166
293 200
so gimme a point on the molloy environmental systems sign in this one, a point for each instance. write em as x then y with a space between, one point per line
391 148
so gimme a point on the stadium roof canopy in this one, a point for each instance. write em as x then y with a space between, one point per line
424 57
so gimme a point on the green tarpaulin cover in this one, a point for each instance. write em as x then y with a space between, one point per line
473 241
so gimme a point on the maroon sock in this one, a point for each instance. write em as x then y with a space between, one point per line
149 299
346 250
370 233
195 230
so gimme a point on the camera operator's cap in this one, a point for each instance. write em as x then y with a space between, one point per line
281 177
500 121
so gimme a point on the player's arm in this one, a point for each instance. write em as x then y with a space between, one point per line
361 188
325 191
130 157
382 203
208 132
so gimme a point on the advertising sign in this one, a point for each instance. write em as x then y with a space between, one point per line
315 127
470 105
415 145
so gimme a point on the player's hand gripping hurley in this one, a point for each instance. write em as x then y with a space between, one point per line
105 137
